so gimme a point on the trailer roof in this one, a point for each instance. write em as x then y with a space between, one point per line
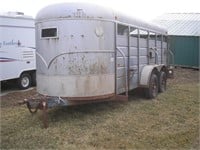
92 11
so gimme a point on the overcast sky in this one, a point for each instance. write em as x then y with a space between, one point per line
144 9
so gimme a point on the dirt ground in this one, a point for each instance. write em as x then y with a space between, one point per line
183 75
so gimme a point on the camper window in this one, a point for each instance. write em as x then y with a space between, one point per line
49 33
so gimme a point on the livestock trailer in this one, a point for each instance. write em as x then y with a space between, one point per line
17 49
88 53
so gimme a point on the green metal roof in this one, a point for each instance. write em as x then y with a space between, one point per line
184 24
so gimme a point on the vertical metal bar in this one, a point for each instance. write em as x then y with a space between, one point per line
115 40
161 49
138 55
128 63
148 48
167 40
156 54
169 52
155 46
126 71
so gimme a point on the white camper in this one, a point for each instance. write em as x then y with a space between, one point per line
17 49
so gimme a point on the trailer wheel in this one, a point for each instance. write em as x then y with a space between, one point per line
24 81
152 90
162 81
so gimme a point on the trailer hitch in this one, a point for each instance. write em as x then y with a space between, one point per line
43 103
34 104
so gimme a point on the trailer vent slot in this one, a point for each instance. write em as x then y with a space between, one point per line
49 33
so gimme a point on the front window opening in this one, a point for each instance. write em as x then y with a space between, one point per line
134 32
152 36
159 37
49 32
143 34
122 29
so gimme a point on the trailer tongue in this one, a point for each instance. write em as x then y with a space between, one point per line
44 103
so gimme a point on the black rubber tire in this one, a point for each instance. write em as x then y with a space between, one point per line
162 82
24 82
152 91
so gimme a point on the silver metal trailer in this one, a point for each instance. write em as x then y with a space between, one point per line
90 53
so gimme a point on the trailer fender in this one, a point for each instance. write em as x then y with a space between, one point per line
146 74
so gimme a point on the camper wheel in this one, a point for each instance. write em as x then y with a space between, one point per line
24 81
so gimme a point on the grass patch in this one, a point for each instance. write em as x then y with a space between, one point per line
171 121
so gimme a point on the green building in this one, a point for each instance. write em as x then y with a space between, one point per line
184 37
